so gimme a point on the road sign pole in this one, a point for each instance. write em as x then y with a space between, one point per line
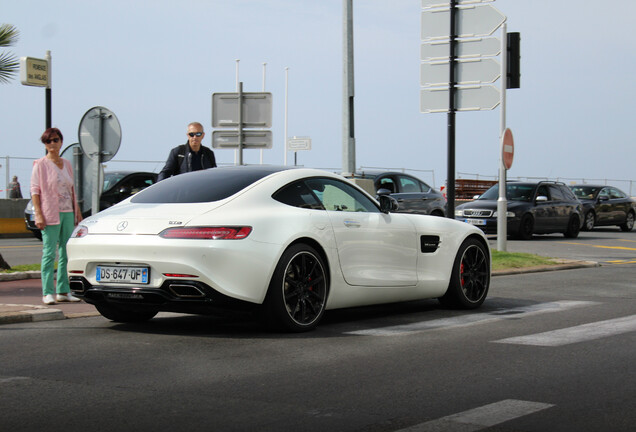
47 92
502 203
450 169
240 123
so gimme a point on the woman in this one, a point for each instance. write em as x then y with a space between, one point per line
56 214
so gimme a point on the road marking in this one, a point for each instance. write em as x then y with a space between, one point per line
582 333
621 262
474 318
482 417
9 379
602 247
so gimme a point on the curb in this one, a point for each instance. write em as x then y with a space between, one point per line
564 264
20 275
12 314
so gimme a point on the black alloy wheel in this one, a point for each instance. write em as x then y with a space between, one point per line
574 227
470 278
297 294
526 228
629 222
590 220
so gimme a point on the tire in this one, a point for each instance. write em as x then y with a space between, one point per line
590 220
470 279
117 314
297 293
438 213
526 228
629 222
574 227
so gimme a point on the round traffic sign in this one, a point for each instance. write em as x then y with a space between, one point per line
507 148
99 134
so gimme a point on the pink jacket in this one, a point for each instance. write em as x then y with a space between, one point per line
44 183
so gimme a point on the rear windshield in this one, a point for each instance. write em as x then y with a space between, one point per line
209 185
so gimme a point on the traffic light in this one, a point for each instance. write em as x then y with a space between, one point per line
513 72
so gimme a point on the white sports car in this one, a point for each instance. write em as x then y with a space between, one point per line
292 242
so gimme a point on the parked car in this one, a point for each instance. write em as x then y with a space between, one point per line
605 205
533 208
118 185
286 242
412 194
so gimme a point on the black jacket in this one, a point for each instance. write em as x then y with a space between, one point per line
180 161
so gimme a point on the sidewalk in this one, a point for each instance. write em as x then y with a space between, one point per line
21 295
21 301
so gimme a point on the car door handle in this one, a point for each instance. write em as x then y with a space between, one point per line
352 224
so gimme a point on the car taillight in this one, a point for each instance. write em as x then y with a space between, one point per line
207 233
79 231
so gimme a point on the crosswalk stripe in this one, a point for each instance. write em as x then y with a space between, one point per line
581 333
474 318
479 418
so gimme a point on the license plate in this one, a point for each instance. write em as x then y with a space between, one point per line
122 274
479 222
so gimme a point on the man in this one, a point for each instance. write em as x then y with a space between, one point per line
14 188
191 156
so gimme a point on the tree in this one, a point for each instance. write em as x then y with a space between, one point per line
9 63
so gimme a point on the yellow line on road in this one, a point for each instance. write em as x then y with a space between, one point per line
603 247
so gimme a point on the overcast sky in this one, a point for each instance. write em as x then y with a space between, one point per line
155 64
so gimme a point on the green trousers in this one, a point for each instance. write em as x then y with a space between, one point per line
55 237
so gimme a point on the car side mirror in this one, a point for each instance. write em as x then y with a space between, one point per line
542 198
388 204
383 191
476 197
603 198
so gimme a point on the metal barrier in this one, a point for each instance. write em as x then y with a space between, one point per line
21 167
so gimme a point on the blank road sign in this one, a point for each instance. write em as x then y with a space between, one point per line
477 98
482 47
474 71
446 3
257 110
472 21
252 139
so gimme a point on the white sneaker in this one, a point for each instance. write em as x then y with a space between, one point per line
68 297
48 299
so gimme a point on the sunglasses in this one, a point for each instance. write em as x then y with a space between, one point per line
55 140
195 134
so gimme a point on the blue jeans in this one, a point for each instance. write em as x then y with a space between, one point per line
56 236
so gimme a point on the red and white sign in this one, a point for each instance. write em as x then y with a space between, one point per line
507 148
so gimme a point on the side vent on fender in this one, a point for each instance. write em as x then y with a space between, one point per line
429 244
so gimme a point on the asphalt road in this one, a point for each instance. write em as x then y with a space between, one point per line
547 351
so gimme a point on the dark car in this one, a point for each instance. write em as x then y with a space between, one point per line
412 194
533 208
605 205
118 185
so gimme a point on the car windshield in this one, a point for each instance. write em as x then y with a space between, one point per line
514 192
585 192
112 178
208 185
